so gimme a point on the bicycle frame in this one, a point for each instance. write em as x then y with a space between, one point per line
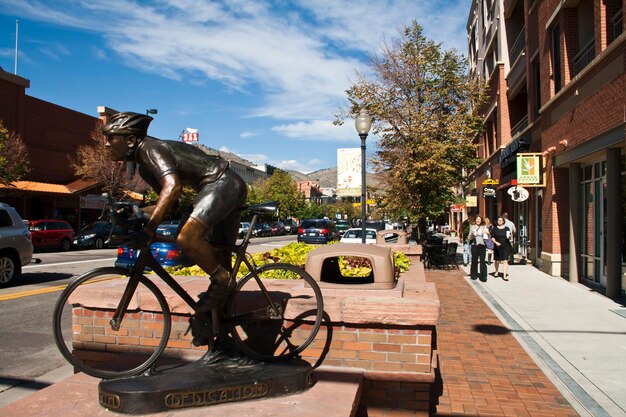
145 259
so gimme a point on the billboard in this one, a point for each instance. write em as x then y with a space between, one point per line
348 172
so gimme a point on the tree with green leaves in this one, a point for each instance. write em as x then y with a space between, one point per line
315 211
14 163
424 107
281 187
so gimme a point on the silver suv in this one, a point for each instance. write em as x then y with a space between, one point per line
16 247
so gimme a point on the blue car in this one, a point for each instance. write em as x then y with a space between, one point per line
166 253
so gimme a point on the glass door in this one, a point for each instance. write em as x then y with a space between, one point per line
594 223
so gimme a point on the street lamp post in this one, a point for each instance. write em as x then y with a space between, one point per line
363 123
151 111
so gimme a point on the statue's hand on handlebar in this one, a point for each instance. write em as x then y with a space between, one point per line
139 240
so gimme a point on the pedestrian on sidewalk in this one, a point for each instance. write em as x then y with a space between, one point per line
478 235
465 231
488 245
508 223
500 235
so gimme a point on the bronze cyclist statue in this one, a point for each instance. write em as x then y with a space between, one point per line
167 166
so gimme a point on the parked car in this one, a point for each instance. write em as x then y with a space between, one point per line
291 227
373 224
278 229
166 253
94 235
51 234
243 229
355 235
342 225
262 229
317 231
16 248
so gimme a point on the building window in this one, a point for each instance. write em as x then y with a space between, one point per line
537 87
617 23
556 58
586 38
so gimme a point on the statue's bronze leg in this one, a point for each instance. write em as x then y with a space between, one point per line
192 240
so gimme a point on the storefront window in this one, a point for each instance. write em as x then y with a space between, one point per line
623 170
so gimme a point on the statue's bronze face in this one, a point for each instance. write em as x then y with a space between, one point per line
117 146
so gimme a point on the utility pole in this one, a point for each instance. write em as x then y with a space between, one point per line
17 30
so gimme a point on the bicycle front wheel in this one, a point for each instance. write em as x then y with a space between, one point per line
277 313
87 337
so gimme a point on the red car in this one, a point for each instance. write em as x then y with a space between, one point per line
51 234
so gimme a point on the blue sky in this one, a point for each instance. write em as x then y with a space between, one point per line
260 79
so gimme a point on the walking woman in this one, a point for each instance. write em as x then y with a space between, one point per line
500 235
478 235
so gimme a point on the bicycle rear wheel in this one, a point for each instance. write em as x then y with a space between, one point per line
83 330
285 330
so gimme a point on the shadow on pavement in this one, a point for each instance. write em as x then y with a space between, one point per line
30 278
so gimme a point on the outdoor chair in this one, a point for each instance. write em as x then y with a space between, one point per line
450 256
436 255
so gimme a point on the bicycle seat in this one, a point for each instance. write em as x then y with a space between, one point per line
269 206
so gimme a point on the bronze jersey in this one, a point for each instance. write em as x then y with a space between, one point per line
195 168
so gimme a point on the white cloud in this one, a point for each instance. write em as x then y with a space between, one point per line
318 130
296 58
302 65
247 134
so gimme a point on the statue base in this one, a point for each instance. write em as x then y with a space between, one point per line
216 378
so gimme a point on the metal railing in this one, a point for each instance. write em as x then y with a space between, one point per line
518 47
618 22
585 56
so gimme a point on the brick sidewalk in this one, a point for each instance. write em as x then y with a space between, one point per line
484 371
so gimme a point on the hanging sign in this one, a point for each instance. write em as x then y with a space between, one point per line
471 201
518 194
489 192
529 168
457 208
489 181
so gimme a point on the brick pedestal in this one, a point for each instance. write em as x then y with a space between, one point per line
386 333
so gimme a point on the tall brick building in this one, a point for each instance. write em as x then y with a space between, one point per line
52 134
555 71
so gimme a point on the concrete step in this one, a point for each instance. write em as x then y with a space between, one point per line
336 393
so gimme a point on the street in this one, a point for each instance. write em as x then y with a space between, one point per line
27 348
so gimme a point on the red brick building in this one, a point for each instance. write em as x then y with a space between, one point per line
52 134
555 70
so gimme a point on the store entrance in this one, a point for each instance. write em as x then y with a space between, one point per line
594 223
520 214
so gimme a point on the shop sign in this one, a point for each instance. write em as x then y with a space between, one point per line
92 201
457 208
518 194
507 156
471 201
529 168
489 192
490 181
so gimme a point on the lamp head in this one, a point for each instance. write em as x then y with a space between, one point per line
363 122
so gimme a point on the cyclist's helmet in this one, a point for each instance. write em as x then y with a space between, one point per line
127 123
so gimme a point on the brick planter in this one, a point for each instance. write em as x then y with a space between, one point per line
389 334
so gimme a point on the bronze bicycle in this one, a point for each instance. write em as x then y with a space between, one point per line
274 311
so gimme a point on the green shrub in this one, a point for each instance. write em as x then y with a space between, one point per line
295 254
